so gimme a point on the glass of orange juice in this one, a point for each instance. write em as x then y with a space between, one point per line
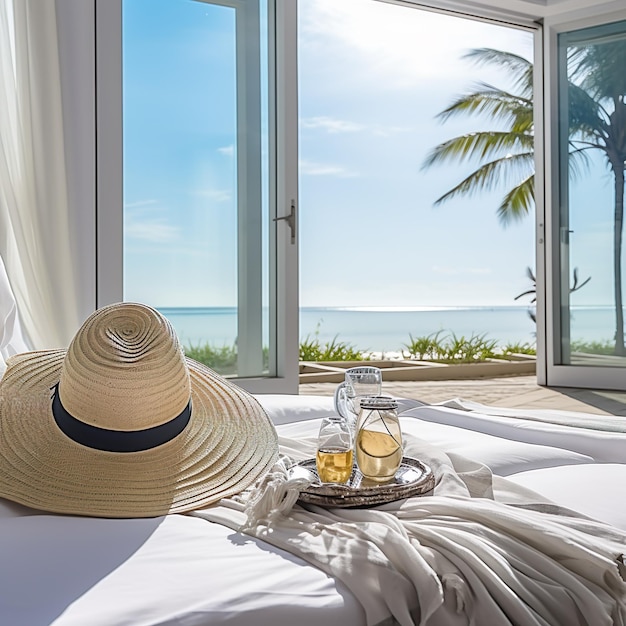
335 455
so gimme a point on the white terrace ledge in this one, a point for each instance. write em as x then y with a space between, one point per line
408 370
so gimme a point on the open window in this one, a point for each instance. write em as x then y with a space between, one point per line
196 166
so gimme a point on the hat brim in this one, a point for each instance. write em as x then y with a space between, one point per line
227 445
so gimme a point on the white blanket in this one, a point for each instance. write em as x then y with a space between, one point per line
571 419
479 550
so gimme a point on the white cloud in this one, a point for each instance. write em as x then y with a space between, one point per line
227 150
143 221
217 195
139 204
155 230
309 168
335 126
401 44
330 124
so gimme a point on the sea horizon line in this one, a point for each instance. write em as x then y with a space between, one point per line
386 309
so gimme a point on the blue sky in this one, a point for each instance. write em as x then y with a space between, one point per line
179 167
371 82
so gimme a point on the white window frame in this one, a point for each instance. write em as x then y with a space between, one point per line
284 331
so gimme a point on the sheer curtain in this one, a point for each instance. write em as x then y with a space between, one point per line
34 220
11 337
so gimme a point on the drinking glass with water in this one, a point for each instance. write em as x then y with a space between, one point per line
360 382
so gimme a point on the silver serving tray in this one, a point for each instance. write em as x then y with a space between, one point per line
412 478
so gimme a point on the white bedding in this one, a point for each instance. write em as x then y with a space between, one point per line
183 570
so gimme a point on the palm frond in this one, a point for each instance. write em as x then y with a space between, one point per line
599 69
578 161
576 286
499 104
526 293
586 115
488 174
518 202
519 67
479 145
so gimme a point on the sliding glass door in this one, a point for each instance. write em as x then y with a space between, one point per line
586 310
195 175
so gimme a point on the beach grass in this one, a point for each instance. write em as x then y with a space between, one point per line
445 347
333 350
451 348
593 347
223 359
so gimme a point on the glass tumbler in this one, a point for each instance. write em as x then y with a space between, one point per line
359 382
378 439
335 455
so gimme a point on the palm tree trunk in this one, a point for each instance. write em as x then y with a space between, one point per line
618 170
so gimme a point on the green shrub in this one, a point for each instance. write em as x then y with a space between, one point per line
468 349
222 360
593 347
519 348
451 348
312 349
315 350
424 347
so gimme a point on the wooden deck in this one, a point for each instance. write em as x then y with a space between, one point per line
512 392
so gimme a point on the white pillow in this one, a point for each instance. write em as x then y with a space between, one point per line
283 408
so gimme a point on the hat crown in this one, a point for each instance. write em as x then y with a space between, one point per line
125 370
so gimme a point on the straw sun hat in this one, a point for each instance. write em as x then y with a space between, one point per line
122 424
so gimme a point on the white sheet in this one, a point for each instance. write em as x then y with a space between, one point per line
503 456
592 489
179 570
602 446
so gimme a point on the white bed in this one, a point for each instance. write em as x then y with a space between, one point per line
182 569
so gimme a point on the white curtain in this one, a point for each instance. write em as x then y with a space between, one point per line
11 336
34 222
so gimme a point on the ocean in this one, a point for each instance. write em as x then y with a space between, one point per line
388 330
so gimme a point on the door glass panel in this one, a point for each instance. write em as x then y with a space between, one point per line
592 144
383 259
195 150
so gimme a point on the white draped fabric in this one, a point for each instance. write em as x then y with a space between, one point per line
11 337
33 195
479 550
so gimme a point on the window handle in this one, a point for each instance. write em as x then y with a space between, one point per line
291 220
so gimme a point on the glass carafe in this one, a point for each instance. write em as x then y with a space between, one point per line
378 439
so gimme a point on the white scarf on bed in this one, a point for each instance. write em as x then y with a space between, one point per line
478 550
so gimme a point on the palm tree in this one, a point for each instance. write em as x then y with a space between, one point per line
597 121
533 291
597 112
506 155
